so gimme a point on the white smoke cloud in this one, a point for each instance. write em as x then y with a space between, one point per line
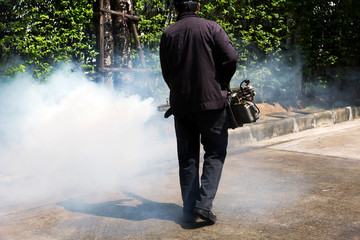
71 135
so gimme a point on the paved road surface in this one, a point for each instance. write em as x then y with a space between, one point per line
299 186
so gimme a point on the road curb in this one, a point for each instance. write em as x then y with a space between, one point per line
267 128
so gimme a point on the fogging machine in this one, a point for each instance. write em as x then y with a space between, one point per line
241 107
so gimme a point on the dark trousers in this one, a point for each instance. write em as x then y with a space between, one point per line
210 128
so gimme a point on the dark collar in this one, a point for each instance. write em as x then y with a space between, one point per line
186 15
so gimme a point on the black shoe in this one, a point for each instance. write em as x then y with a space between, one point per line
206 215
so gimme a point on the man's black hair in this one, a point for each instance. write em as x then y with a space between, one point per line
186 5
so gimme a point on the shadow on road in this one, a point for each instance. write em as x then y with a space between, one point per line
121 209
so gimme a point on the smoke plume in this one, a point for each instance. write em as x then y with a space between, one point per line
71 135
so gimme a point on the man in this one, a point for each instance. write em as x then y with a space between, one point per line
197 62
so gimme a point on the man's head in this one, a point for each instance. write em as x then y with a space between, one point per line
186 5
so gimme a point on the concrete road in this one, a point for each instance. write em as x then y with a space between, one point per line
299 186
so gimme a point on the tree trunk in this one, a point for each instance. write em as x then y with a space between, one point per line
122 42
108 44
108 41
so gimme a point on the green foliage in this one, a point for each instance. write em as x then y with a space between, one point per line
272 37
257 28
45 32
11 71
329 32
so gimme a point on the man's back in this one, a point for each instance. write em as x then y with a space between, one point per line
192 52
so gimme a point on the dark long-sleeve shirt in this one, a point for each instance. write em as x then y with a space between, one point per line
197 61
